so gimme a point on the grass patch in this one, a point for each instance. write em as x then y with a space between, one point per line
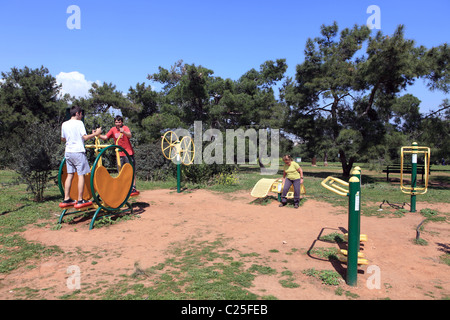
17 211
325 253
196 270
334 237
430 216
445 259
16 250
328 277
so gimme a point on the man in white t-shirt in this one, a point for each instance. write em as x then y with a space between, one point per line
73 133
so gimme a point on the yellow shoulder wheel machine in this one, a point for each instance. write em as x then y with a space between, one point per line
179 151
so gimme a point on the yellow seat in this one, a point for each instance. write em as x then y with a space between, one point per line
343 259
263 186
290 193
345 253
278 188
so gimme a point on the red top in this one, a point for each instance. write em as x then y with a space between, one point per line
124 142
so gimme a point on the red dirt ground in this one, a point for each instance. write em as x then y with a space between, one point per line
280 235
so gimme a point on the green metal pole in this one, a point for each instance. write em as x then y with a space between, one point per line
357 173
280 186
413 177
353 232
178 177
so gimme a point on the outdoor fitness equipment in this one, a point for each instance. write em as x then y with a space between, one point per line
413 190
352 190
263 186
110 194
179 151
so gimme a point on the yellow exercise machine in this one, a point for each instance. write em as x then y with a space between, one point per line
413 190
352 190
263 186
179 151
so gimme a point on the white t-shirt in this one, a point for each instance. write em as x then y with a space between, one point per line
73 131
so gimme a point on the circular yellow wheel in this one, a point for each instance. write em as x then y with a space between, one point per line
168 142
187 150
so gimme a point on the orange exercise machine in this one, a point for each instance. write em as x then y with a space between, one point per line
109 194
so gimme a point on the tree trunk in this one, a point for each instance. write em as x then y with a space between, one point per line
334 121
261 165
346 166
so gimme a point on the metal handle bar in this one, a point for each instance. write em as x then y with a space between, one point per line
415 150
334 188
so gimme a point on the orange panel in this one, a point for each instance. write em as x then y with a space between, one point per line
113 191
87 193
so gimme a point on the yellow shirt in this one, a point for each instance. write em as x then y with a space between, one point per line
291 171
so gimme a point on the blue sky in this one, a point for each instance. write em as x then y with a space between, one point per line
123 41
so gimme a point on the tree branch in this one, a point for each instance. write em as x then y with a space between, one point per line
336 100
371 99
433 113
321 108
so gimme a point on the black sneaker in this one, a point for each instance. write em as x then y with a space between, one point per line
67 203
83 203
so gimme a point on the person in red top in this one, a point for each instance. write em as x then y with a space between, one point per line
121 135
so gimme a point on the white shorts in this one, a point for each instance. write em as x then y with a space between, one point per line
77 162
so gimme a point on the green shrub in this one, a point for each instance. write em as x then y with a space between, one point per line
227 178
206 173
151 163
40 154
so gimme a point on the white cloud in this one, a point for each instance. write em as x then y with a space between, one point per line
74 83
